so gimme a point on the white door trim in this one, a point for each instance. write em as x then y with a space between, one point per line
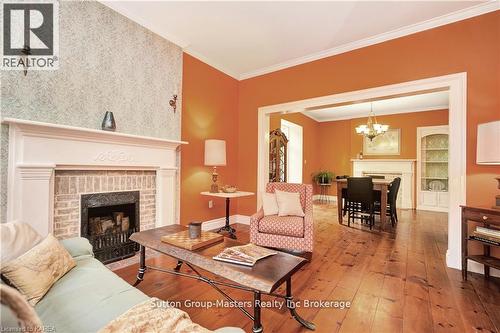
296 134
457 86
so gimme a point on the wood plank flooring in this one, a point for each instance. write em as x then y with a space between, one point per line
396 281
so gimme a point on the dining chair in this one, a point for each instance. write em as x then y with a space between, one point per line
343 199
392 197
360 200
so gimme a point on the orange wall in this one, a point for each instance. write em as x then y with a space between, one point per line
310 141
209 111
471 46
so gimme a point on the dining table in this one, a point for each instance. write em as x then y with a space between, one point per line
381 185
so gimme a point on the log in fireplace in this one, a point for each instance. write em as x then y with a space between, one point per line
108 220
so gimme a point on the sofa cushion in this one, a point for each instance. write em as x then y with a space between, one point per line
87 298
78 247
16 238
37 270
282 225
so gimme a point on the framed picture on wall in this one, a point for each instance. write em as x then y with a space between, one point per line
385 144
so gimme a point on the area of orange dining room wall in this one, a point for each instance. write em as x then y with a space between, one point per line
471 46
209 111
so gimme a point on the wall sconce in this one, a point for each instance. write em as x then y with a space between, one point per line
26 52
173 103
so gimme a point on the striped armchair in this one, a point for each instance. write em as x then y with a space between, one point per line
285 232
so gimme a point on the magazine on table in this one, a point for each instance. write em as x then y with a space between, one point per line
246 255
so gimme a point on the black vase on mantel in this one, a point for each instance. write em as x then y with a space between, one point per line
108 123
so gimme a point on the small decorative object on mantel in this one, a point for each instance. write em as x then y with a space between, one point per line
229 189
488 148
108 123
173 103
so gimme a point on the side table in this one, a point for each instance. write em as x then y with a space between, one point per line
323 193
228 197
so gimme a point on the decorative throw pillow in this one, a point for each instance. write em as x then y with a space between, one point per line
289 203
269 204
37 270
16 238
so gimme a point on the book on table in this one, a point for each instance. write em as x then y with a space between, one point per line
246 255
488 232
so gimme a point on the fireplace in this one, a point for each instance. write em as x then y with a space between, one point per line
107 220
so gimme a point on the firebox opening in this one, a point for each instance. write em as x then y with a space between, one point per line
108 220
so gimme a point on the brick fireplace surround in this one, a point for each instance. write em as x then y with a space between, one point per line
69 185
50 166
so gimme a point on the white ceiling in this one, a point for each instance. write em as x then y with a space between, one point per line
406 104
246 39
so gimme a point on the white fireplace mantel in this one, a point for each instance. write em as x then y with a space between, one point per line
37 149
404 168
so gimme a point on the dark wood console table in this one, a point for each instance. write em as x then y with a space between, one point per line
489 218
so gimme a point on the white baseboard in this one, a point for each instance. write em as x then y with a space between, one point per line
332 198
220 222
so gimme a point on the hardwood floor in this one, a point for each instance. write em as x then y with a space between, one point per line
397 282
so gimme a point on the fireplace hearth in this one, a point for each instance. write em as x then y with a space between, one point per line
108 220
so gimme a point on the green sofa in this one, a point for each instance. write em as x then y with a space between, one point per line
87 297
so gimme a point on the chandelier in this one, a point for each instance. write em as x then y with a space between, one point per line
372 128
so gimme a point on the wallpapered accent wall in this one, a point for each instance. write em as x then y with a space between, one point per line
107 63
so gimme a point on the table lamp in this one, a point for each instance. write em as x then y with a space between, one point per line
488 148
215 155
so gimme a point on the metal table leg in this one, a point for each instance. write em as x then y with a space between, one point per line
290 305
142 266
227 227
257 326
178 266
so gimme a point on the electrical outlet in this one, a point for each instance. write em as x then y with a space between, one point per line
210 204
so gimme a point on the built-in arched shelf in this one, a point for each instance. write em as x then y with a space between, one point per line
432 168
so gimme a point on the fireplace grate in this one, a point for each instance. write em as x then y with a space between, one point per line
114 246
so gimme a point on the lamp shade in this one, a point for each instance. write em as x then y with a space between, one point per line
215 152
488 143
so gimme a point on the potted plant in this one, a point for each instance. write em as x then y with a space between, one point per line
323 177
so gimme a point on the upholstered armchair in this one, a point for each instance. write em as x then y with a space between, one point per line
285 232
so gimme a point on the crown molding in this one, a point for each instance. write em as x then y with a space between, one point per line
480 9
456 16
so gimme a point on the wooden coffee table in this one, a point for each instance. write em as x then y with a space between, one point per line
263 278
